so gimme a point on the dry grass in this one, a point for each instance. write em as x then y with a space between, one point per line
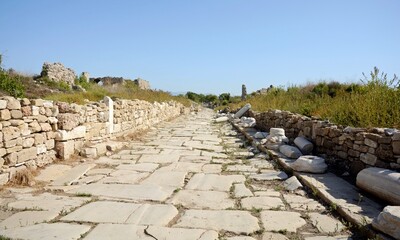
24 177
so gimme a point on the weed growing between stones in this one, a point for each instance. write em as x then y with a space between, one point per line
22 178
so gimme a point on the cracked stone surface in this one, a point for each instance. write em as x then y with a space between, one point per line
185 179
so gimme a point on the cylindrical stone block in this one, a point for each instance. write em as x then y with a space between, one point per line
304 145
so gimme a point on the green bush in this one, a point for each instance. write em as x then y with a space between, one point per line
11 84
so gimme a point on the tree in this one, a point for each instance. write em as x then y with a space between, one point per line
224 96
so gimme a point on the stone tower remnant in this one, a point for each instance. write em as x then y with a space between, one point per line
244 92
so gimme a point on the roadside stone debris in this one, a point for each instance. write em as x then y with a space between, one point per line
190 178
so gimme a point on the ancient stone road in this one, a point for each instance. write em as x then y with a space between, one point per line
188 179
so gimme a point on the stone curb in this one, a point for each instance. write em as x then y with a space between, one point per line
356 219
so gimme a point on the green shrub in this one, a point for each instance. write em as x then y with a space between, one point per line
61 85
11 84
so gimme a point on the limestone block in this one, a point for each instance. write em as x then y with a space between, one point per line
304 145
221 119
47 103
2 161
28 142
3 104
242 111
277 131
78 132
10 133
101 148
13 103
388 221
292 184
42 118
368 158
65 149
35 111
16 114
4 178
290 151
381 182
68 121
39 138
50 144
2 152
16 122
110 114
5 114
11 159
37 102
260 135
41 149
46 127
309 163
90 152
26 154
34 127
275 139
13 143
248 122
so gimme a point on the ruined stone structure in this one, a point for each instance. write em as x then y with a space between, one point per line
57 72
142 84
86 75
244 92
34 132
108 80
353 149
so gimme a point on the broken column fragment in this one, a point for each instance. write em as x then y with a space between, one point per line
242 111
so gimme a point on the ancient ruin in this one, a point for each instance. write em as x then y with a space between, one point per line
58 73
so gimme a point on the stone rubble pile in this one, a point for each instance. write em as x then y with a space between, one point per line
58 73
275 139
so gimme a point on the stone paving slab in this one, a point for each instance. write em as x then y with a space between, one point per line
213 182
72 175
282 221
169 179
269 175
203 199
181 233
153 214
102 212
241 190
99 171
47 231
273 236
262 203
326 224
228 220
47 201
139 167
160 158
109 231
26 218
52 172
303 203
125 191
212 168
124 177
183 167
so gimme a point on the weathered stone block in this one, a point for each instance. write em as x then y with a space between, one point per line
353 153
39 138
3 104
10 133
4 177
14 149
16 114
290 151
388 221
68 121
28 142
13 103
50 144
27 154
370 143
34 127
309 163
37 102
65 149
78 132
11 159
381 182
3 152
396 147
368 158
35 111
46 127
304 145
89 152
5 114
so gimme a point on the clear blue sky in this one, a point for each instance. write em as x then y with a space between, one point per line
207 46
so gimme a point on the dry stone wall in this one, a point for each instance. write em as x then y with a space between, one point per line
34 132
348 149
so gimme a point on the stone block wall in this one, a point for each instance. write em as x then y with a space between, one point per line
34 132
351 149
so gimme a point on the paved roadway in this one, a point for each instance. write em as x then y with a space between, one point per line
186 179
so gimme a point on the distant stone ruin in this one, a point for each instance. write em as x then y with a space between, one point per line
108 80
58 73
86 76
244 92
142 84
